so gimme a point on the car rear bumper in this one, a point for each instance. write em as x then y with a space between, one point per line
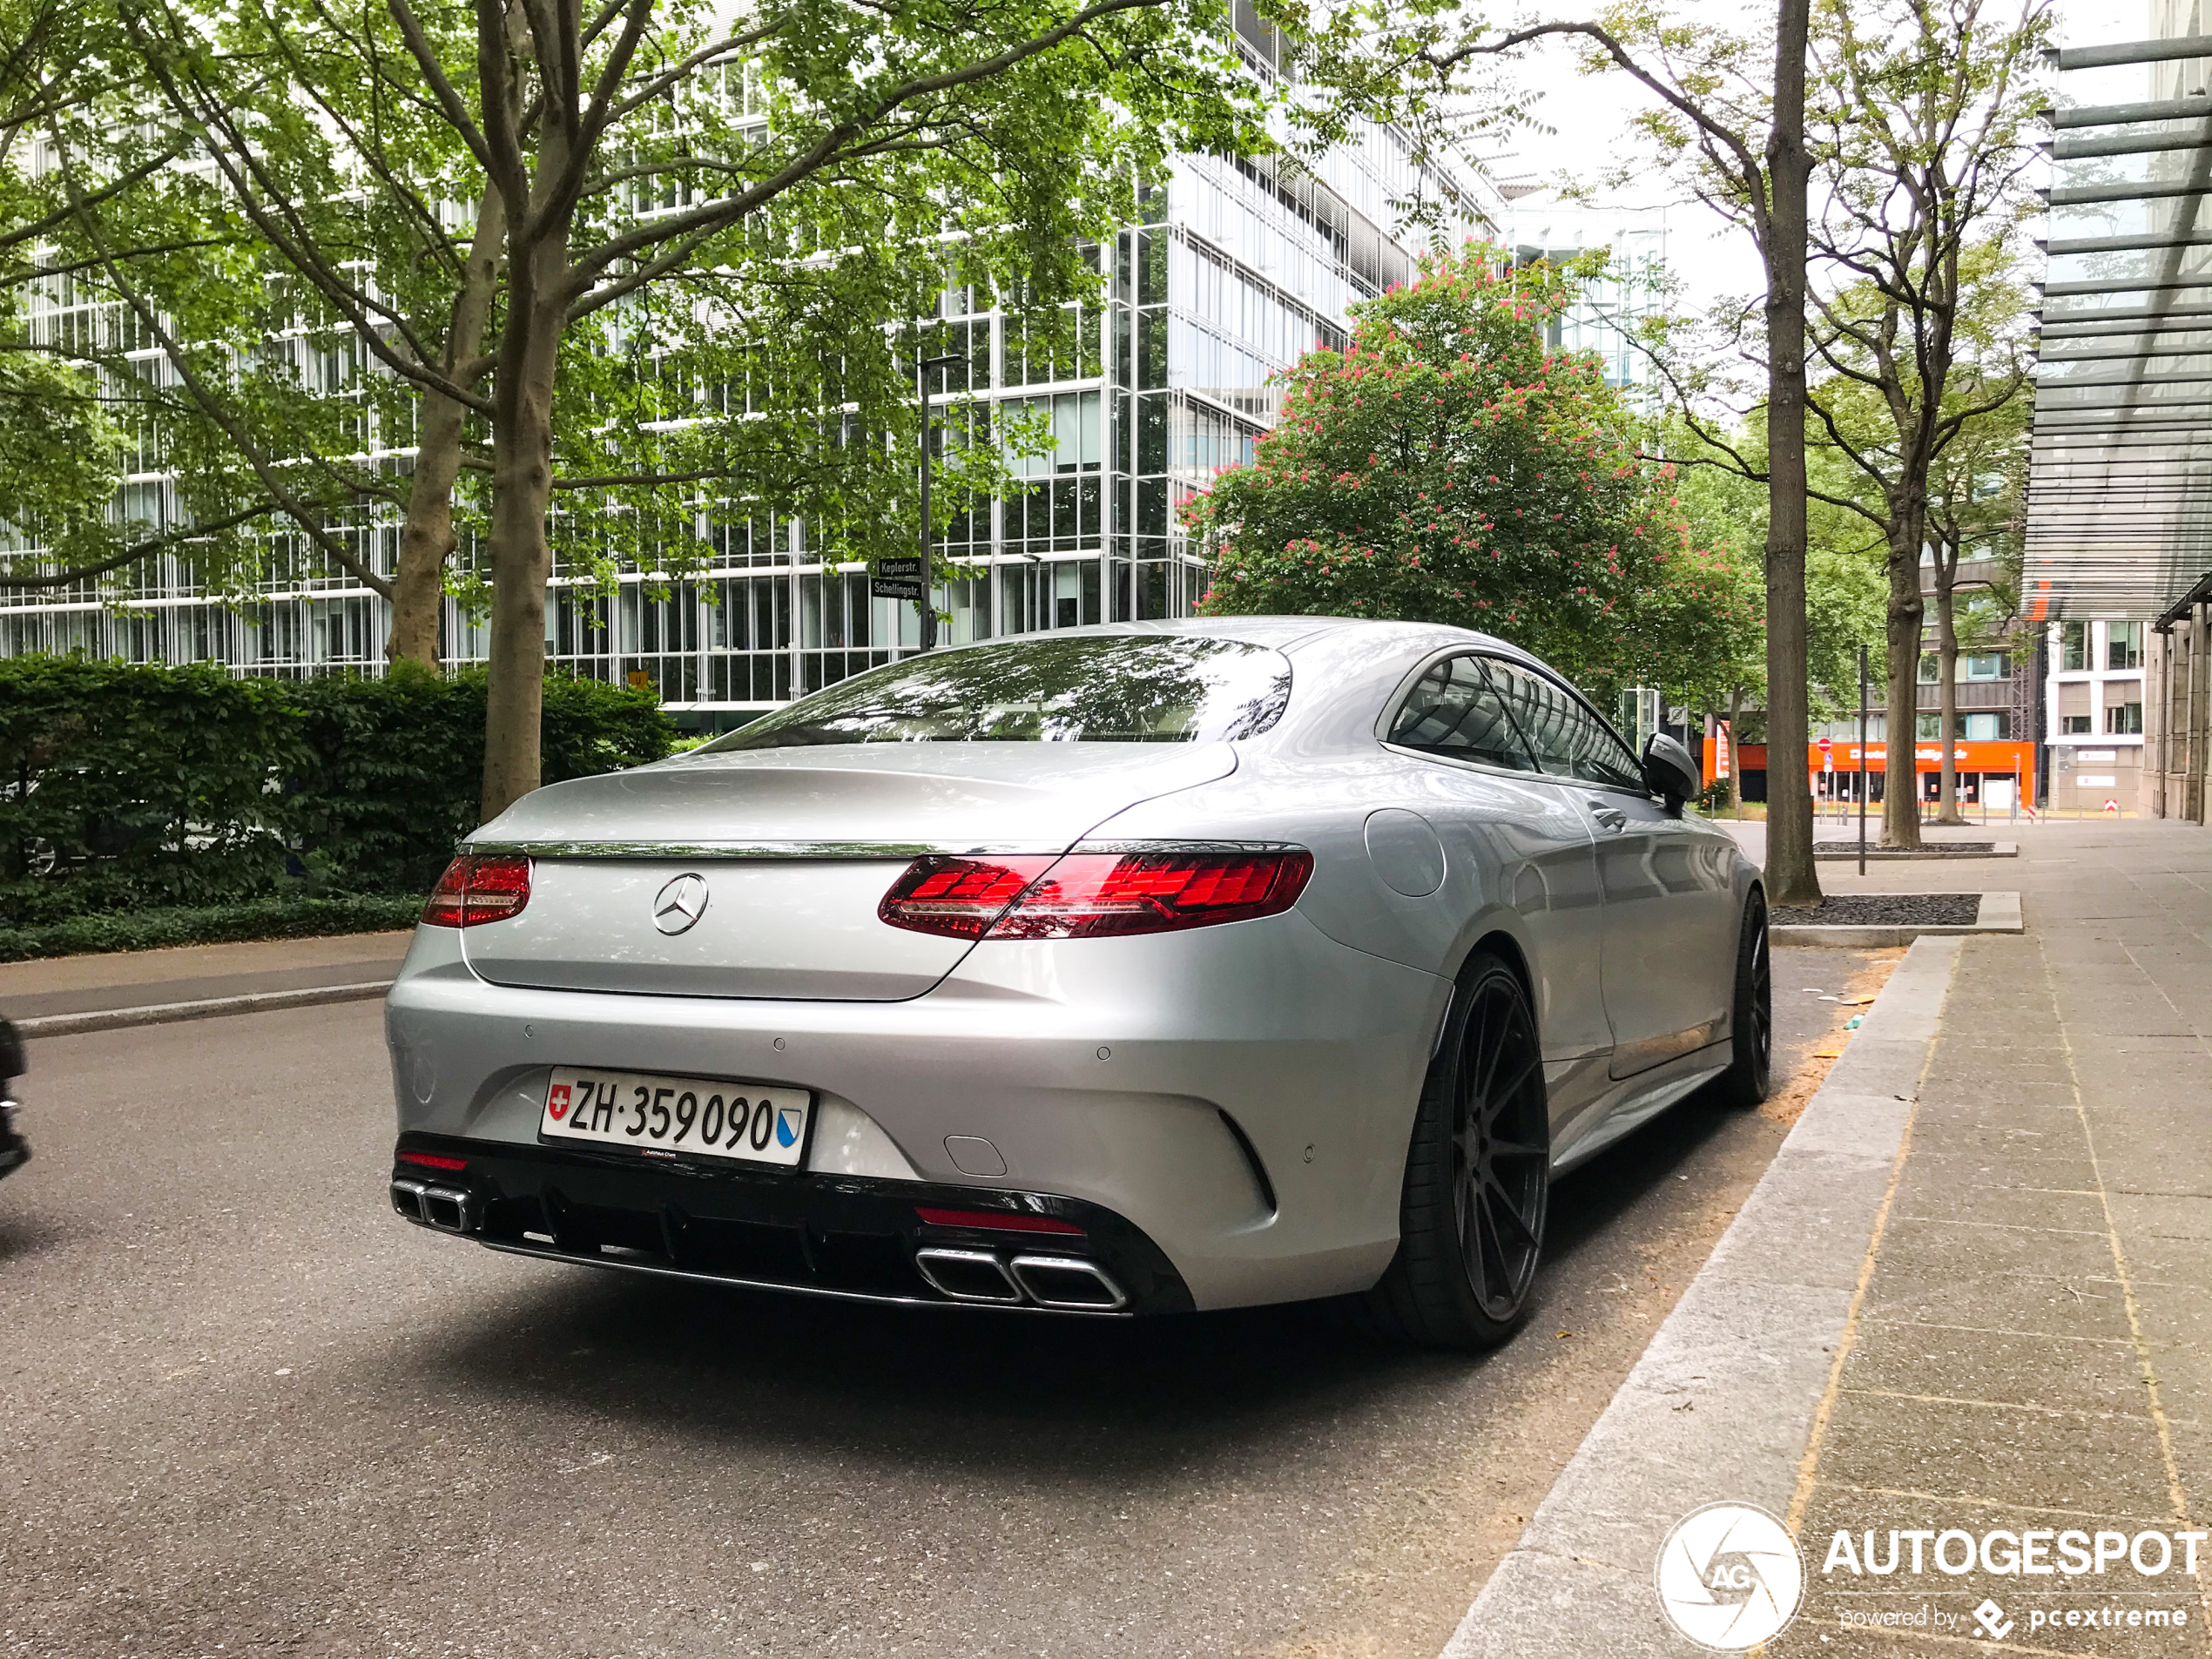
1240 1096
857 1238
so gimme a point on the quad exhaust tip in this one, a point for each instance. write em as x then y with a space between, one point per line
450 1209
1068 1284
967 1275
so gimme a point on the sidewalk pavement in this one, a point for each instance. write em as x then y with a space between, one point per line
68 986
1974 1292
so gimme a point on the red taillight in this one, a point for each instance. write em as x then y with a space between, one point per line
476 889
434 1161
1092 895
997 1220
1089 895
959 897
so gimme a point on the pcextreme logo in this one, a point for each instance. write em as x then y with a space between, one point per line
1729 1576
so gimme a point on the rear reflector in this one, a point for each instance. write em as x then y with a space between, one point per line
475 890
997 1220
1091 895
434 1161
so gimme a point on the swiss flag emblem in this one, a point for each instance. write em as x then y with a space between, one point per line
557 1103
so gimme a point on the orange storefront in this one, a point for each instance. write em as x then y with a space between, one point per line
1989 773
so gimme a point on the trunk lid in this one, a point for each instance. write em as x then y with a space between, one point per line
796 848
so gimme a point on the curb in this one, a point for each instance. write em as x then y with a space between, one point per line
1933 850
1720 1407
67 1025
1999 914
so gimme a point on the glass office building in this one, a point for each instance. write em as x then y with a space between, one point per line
1612 308
1238 268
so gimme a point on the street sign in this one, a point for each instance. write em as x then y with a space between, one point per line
896 579
1826 746
2112 806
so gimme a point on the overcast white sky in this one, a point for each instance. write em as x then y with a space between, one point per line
1587 117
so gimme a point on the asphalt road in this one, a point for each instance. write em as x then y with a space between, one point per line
245 1409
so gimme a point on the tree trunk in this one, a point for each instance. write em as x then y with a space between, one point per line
1791 877
1901 781
1947 668
427 538
1736 751
521 559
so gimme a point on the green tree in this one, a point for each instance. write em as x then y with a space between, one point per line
1448 467
637 148
1924 132
76 415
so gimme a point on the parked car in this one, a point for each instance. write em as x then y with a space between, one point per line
1121 970
14 1151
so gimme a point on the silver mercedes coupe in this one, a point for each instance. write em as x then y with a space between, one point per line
1121 970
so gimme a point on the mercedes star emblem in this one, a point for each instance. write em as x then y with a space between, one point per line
680 904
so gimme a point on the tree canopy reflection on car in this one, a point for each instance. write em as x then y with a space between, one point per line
1114 688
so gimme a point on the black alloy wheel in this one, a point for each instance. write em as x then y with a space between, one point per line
1750 1076
1477 1175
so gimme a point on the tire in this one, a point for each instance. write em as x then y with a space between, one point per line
1749 1078
1478 1176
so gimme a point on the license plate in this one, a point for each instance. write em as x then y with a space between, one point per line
754 1122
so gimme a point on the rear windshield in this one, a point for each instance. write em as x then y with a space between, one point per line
1101 690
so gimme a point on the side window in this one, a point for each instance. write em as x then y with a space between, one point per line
1453 709
1569 741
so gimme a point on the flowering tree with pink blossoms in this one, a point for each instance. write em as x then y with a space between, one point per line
1448 466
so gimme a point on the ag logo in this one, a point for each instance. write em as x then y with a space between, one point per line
1729 1576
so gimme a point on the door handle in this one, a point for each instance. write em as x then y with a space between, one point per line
1609 815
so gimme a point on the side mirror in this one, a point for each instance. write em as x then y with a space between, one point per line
1668 773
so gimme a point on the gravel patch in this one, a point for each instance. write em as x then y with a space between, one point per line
1884 910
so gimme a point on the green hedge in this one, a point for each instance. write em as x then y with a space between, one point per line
278 918
128 788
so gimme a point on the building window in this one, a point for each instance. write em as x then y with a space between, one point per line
1928 668
2074 725
2124 648
1986 665
1975 728
2124 719
2073 647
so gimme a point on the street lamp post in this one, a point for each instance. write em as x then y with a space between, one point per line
929 586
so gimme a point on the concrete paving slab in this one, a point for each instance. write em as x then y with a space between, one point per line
2053 1168
2163 1215
2048 1305
1994 1205
2005 1366
2003 1454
